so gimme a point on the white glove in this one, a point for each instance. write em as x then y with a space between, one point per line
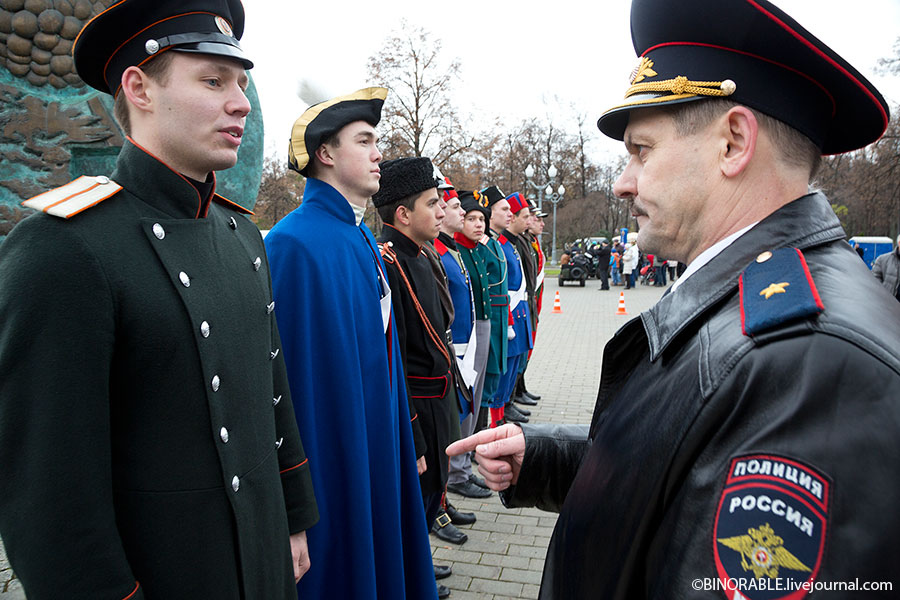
510 332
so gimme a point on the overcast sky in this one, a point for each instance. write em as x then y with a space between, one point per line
519 60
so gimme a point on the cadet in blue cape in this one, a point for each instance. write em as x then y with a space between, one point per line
146 451
343 361
520 341
495 202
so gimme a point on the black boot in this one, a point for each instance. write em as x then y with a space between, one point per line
445 530
459 518
525 393
512 414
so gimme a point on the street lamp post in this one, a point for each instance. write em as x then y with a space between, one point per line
551 176
529 174
554 198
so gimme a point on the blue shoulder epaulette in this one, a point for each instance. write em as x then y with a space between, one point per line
776 288
75 196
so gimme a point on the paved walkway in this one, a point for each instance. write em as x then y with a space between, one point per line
504 556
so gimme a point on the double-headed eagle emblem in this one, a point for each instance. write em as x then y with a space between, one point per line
763 552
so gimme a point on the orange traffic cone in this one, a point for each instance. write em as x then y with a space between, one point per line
557 307
621 309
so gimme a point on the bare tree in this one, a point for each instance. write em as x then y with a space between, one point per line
280 192
419 117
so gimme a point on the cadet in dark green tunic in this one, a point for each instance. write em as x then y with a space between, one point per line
147 435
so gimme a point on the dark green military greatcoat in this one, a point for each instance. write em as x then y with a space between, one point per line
147 437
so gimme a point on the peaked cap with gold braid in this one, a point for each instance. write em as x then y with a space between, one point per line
324 119
751 52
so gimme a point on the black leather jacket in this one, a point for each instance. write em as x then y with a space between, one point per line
704 439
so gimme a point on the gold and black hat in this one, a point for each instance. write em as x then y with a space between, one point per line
404 177
324 119
470 201
751 52
491 195
132 32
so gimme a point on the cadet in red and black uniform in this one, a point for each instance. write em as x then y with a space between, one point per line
409 204
147 435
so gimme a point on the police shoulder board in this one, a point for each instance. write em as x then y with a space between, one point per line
776 288
74 197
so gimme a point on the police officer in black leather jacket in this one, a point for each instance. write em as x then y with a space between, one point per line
744 441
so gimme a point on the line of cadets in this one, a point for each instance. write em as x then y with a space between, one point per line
426 335
464 273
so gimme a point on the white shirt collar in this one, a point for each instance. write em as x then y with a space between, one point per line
709 254
358 211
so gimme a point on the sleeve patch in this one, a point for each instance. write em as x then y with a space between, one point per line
771 525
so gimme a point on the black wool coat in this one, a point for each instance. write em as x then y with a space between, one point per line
147 437
432 395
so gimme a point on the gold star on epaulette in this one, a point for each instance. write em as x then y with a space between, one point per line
774 288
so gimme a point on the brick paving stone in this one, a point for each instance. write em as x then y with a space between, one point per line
565 370
502 588
520 576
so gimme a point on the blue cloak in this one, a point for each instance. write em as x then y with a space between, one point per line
349 397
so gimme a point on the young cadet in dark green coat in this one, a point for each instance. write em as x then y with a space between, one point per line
147 436
495 260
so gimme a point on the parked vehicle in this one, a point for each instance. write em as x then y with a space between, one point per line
576 269
872 246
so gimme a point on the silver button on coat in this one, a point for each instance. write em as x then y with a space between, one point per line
223 433
215 383
235 483
204 329
257 263
185 280
158 231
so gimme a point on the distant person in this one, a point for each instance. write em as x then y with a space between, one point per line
603 255
630 261
672 266
859 250
887 270
746 425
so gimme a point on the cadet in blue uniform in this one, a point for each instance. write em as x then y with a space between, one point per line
471 352
343 360
744 442
147 436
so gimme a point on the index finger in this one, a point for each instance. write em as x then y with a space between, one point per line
468 444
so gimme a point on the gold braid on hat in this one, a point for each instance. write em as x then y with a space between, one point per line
682 85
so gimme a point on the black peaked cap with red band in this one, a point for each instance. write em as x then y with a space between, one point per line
132 32
750 52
